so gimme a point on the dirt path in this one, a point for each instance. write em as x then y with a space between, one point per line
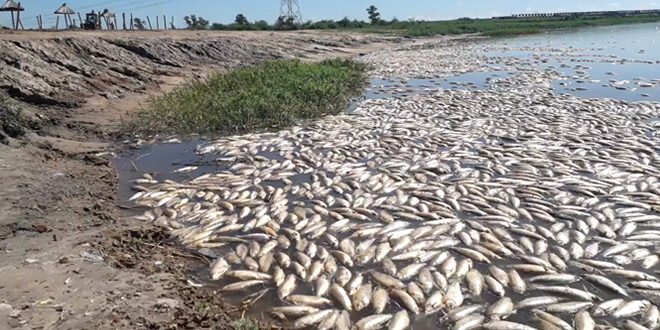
70 256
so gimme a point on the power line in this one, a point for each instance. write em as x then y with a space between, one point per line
290 9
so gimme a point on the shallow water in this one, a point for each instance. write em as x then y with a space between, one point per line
632 52
162 160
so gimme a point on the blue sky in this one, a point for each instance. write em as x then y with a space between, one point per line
225 10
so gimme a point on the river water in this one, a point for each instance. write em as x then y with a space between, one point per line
620 63
631 52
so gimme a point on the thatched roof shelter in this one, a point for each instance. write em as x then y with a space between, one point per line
10 5
64 10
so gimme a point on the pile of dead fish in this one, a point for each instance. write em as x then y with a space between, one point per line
503 210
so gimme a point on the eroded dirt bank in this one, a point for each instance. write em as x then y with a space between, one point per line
71 257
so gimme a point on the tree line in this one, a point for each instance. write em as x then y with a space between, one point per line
241 22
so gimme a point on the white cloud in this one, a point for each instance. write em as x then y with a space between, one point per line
614 5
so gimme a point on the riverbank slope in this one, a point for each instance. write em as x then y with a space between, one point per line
72 258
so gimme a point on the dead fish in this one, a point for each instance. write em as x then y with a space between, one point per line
218 269
311 319
362 297
630 308
464 311
583 321
287 286
567 291
329 322
517 283
606 283
568 307
295 311
400 321
380 299
539 301
501 308
469 322
386 280
245 275
454 296
304 300
372 322
505 325
239 286
343 321
434 302
341 296
406 300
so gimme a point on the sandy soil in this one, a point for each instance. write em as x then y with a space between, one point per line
70 256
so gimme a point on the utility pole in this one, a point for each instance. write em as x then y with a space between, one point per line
290 9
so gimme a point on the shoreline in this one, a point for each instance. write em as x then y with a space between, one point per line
79 259
67 220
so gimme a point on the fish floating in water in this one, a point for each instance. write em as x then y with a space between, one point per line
471 206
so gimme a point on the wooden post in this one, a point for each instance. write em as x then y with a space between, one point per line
13 22
149 21
164 22
39 21
57 23
123 18
18 19
81 20
157 25
172 23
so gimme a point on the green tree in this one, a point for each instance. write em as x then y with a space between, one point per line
374 15
241 19
285 23
196 23
262 25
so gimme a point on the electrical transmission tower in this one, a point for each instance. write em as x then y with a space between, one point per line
289 9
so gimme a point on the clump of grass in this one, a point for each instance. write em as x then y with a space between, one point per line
270 95
245 324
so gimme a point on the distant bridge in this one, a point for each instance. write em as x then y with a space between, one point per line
585 13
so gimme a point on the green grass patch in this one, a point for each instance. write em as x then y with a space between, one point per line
245 324
270 95
503 27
